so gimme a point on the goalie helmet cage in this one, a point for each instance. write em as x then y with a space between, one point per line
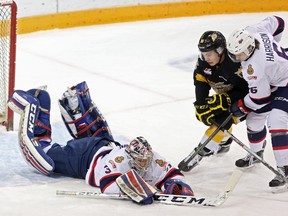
8 22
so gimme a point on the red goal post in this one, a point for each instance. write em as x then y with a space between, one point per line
8 23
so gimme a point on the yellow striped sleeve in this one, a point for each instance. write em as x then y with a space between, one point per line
200 78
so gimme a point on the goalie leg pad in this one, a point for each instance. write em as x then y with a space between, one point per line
135 187
80 115
28 106
19 100
42 130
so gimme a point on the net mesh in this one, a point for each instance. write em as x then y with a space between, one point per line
5 40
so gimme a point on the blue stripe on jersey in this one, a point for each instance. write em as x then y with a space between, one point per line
256 137
280 142
91 178
108 180
172 173
281 26
261 101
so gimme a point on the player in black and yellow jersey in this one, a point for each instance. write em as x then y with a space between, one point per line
218 83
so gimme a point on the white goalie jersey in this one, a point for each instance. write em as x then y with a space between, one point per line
111 162
267 68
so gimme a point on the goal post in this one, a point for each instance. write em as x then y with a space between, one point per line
8 23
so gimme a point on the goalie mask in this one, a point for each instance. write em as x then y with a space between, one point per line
140 152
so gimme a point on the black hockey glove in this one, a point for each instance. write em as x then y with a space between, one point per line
221 118
219 103
204 114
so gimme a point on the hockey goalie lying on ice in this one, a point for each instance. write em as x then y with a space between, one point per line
93 154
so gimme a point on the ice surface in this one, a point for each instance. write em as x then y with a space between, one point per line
140 76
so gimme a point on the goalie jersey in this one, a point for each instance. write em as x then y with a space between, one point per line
111 162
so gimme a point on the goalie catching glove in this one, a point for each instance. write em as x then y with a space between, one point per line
177 187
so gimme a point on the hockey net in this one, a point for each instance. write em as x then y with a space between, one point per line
8 22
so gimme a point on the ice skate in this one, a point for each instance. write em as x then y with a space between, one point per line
225 146
278 184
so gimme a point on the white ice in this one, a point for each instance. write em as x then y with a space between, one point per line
140 76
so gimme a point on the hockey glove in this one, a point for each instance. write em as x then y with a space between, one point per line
139 191
221 118
204 113
219 103
177 187
239 109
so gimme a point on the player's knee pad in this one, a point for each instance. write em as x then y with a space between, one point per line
277 123
28 107
257 139
280 146
256 136
280 139
80 115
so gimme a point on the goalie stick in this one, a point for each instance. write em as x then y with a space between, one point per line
168 198
183 165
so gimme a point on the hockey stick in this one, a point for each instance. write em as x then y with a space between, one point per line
168 198
229 187
253 153
183 165
161 198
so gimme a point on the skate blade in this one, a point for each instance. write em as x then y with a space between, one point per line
280 189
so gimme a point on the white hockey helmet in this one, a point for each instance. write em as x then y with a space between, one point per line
240 41
140 152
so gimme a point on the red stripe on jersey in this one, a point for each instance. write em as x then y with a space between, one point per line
278 130
107 180
281 148
257 141
91 178
135 183
106 186
242 106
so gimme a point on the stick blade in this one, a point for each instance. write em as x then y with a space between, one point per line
229 187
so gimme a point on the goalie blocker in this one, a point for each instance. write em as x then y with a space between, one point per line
135 187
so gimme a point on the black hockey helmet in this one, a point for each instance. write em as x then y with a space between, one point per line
212 40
